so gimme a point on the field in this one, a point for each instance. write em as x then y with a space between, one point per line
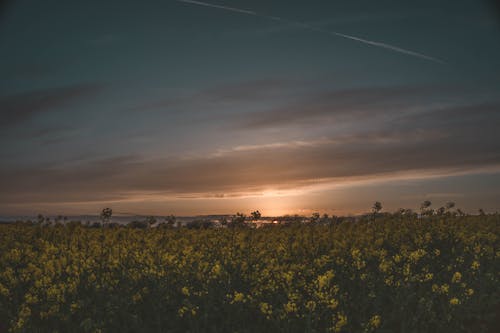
380 274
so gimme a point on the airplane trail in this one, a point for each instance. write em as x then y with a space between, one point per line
317 29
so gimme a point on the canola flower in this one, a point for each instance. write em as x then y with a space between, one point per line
392 274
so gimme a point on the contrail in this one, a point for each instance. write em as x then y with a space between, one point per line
314 28
249 12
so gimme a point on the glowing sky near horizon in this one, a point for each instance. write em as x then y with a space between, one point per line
178 108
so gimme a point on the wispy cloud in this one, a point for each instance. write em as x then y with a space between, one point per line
246 91
20 107
357 105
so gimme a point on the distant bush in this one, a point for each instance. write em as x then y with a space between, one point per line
200 224
138 224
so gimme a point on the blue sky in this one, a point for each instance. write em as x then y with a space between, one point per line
173 107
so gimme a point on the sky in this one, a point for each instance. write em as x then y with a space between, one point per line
213 107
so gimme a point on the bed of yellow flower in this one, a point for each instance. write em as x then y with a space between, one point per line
439 274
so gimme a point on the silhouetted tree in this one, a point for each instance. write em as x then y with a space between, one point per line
106 215
450 205
255 215
377 207
424 208
314 218
223 221
150 220
325 220
170 220
238 220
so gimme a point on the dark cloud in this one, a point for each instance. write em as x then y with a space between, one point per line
21 107
350 104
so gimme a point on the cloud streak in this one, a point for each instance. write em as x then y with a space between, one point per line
317 29
349 105
415 146
21 107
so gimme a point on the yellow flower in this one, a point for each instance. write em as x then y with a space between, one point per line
375 321
406 270
137 297
475 265
469 292
265 308
356 253
417 255
454 301
333 303
238 297
290 307
30 299
311 306
73 307
185 291
456 277
384 266
182 311
341 322
216 270
288 277
445 288
324 280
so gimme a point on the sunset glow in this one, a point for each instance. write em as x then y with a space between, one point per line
209 108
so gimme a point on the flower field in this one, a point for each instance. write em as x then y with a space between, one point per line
389 274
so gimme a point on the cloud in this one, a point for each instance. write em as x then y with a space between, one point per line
21 107
348 105
238 92
426 148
